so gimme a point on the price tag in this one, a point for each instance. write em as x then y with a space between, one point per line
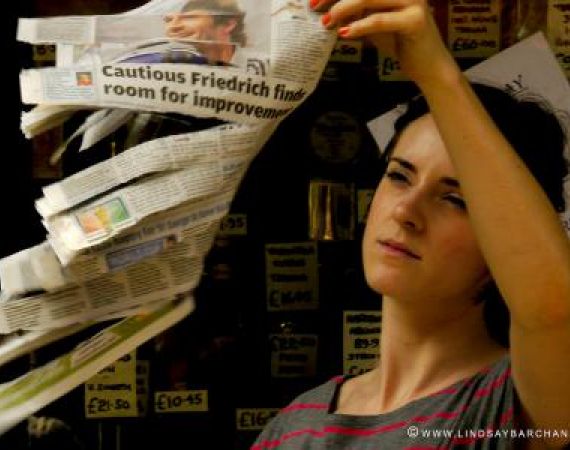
389 69
364 197
43 53
291 276
293 355
142 387
361 341
181 401
558 31
112 392
234 225
474 28
254 419
347 52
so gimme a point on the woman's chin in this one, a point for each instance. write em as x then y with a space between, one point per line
391 285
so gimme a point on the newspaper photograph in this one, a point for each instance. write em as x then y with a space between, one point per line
202 52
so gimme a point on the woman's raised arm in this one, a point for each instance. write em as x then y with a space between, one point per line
518 230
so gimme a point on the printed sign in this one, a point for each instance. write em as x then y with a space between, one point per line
291 276
112 392
474 28
558 30
233 225
293 355
361 341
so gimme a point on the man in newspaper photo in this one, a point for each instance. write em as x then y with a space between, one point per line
202 32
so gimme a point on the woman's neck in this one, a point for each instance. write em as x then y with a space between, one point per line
422 350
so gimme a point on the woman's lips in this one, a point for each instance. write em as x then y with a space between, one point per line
398 249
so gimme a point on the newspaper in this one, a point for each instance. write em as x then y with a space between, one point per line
158 278
39 268
97 126
32 391
43 118
90 212
131 233
159 155
51 265
204 91
18 344
99 220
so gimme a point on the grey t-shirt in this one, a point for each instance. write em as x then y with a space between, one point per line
474 413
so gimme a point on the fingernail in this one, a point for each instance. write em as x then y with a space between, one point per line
344 31
326 19
314 3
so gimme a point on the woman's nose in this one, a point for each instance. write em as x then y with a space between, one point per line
408 212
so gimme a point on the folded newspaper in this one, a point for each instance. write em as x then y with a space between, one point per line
128 235
27 394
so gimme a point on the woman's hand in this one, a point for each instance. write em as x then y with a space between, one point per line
404 29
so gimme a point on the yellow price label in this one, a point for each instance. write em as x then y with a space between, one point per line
181 401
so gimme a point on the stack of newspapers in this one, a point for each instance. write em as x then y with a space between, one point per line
126 238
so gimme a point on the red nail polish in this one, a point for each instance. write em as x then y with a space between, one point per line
314 3
344 31
326 19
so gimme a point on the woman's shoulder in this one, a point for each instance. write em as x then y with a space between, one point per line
318 398
307 411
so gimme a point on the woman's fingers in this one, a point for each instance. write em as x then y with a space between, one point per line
343 10
406 21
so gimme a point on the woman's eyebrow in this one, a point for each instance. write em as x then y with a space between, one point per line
448 181
404 163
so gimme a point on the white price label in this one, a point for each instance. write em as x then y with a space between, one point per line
361 341
474 28
292 276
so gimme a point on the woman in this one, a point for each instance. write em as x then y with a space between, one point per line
456 213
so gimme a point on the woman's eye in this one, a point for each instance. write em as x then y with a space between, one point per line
396 176
456 201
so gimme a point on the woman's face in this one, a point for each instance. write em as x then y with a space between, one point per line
418 243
